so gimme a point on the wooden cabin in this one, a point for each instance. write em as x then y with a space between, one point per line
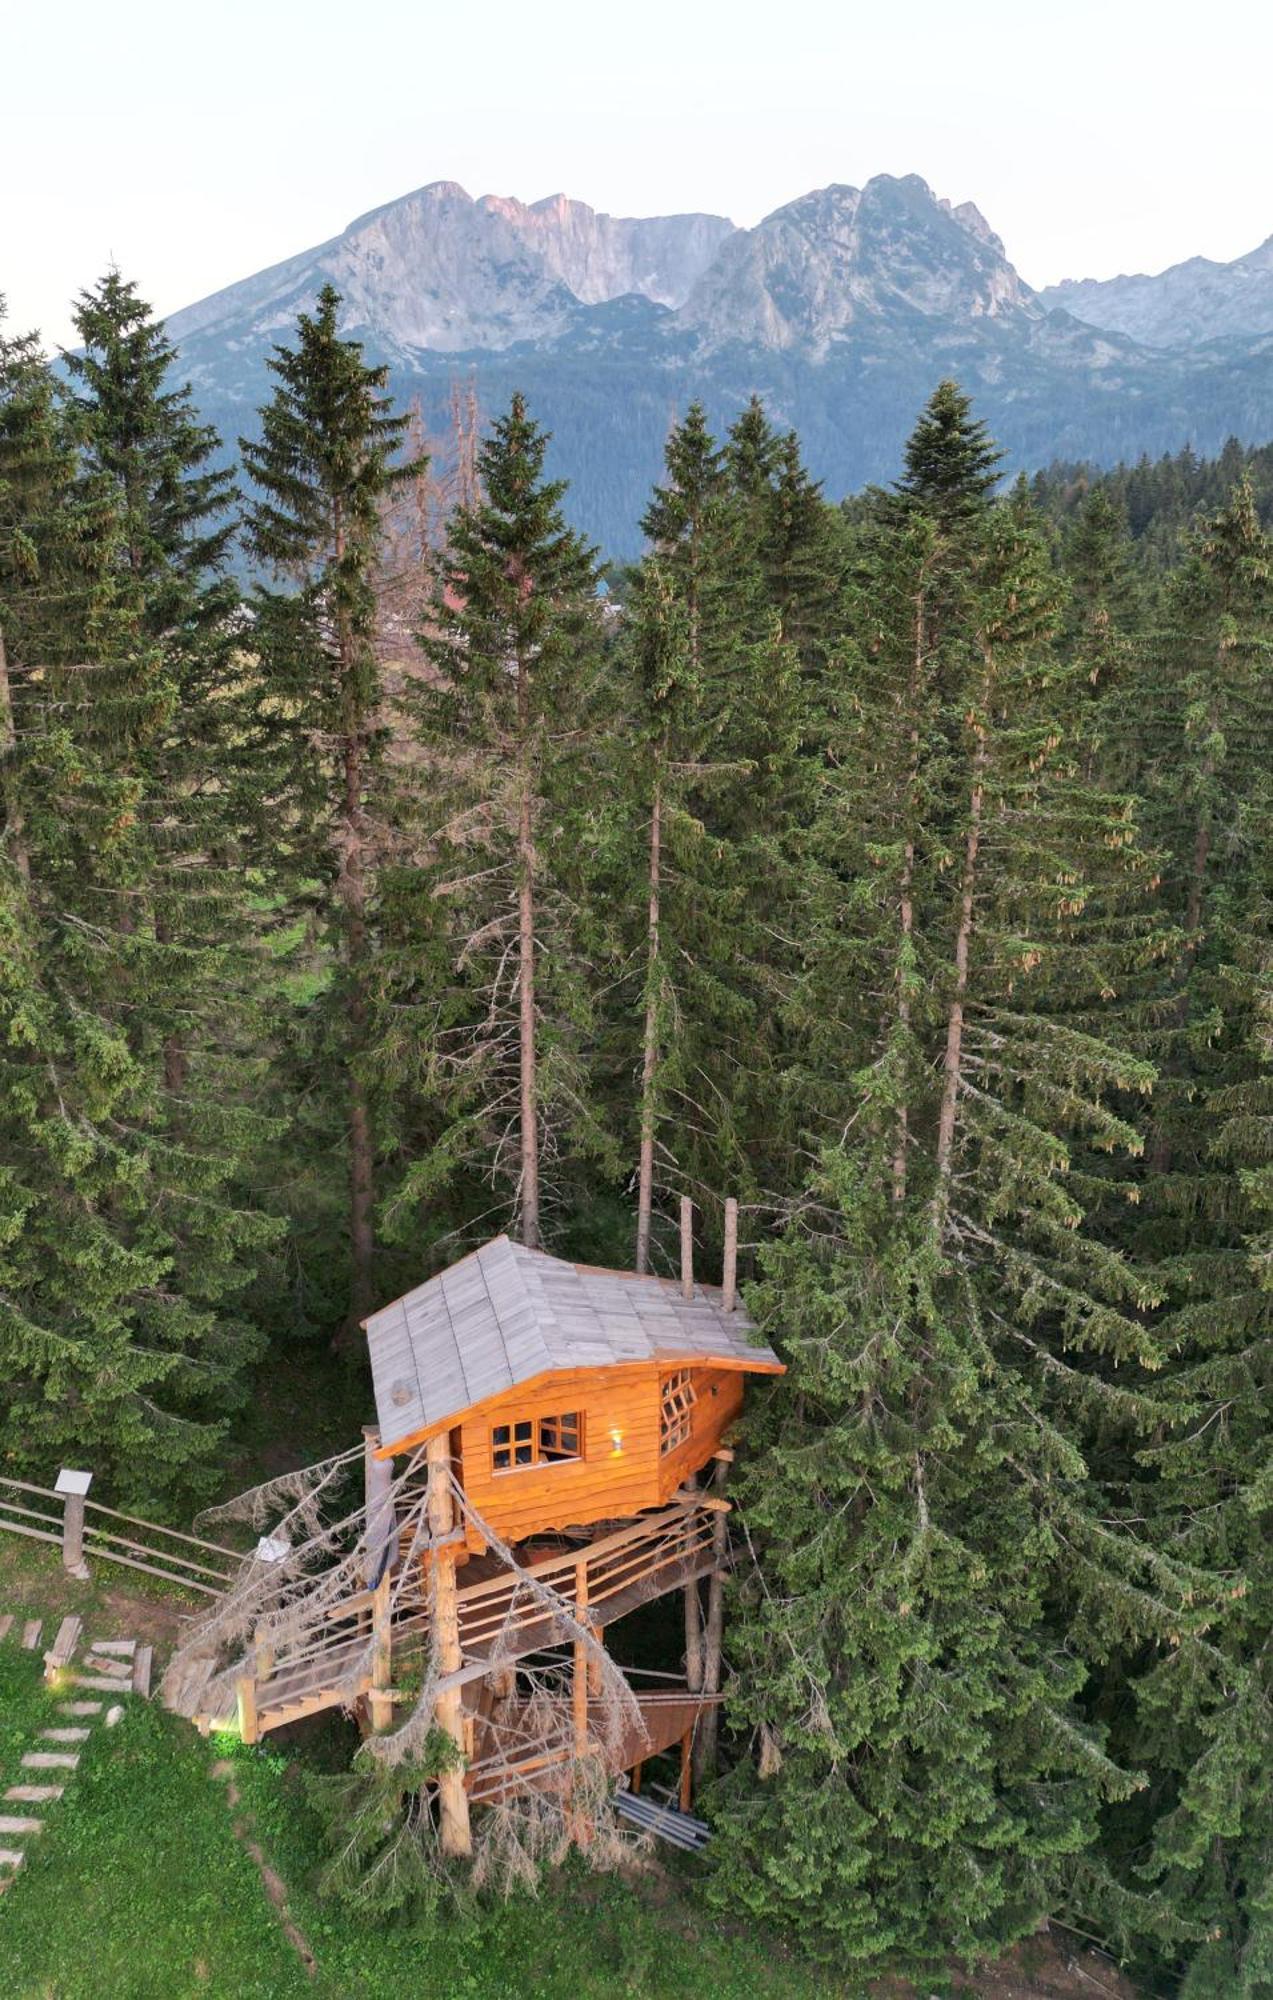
570 1395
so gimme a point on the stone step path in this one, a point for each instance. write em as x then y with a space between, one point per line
114 1667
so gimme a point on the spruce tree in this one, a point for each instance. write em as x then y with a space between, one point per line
124 1249
506 725
1196 732
926 1493
324 467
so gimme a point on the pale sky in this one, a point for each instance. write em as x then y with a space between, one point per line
194 144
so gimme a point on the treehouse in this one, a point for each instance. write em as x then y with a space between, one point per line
535 1475
570 1395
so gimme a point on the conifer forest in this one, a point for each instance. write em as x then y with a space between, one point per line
381 868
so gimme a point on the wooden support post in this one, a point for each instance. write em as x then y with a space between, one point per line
687 1781
380 1701
693 1620
579 1680
263 1655
453 1802
249 1727
729 1265
378 1521
687 1247
73 1487
709 1719
635 1786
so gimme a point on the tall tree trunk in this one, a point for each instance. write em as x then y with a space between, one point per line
650 1051
952 1061
529 1096
14 824
352 890
906 900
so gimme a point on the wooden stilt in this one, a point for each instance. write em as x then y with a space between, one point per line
687 1776
693 1628
380 1701
249 1728
713 1638
635 1786
453 1801
579 1681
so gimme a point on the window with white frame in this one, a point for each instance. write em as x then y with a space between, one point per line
676 1410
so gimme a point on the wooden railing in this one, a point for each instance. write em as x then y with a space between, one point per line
82 1528
603 1579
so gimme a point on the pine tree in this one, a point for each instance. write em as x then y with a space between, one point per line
936 1540
718 718
1196 731
123 1249
514 637
324 465
950 459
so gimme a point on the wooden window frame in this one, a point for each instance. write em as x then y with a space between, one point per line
546 1438
677 1398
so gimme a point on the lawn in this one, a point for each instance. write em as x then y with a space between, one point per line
140 1888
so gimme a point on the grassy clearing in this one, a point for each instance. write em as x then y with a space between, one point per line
139 1889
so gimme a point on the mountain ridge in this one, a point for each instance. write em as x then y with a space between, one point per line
842 308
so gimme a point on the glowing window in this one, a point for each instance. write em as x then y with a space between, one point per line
675 1413
536 1441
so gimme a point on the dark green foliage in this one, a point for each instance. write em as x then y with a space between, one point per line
904 869
325 469
125 1243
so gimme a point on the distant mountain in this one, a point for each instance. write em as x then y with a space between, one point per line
1195 301
439 271
842 310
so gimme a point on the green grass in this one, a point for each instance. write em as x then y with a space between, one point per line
139 1889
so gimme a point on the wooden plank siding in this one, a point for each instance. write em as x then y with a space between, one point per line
621 1471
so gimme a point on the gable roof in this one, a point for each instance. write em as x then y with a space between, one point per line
504 1315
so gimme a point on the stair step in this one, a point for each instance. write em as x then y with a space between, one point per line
64 1735
128 1646
68 1638
50 1760
31 1633
6 1625
100 1684
19 1823
11 1857
33 1795
106 1663
142 1660
79 1708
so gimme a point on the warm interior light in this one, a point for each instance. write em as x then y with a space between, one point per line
616 1439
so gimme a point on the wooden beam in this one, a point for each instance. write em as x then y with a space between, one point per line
729 1266
687 1780
249 1726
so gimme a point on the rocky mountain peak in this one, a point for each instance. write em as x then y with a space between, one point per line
843 256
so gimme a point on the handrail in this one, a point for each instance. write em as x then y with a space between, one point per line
94 1534
25 1486
158 1528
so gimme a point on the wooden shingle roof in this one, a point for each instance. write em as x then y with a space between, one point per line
504 1315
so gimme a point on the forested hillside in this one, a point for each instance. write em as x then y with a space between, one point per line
903 870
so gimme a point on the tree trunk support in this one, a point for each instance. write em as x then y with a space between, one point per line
453 1803
713 1644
